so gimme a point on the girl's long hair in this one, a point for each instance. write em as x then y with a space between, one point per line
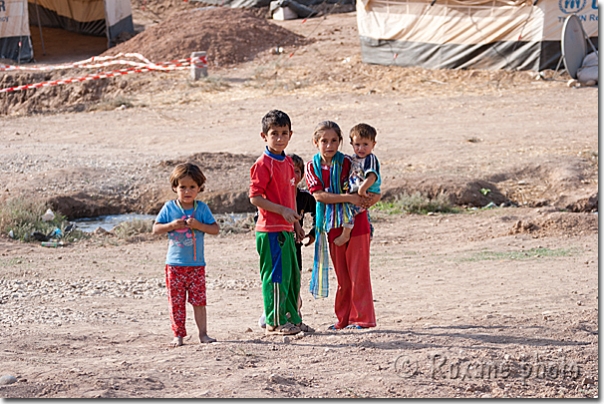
326 125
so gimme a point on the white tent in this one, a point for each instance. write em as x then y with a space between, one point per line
479 34
92 17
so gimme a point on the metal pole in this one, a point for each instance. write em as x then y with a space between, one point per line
593 48
40 27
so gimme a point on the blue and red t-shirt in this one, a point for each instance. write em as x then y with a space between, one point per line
272 177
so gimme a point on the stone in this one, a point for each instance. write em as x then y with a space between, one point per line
7 379
587 381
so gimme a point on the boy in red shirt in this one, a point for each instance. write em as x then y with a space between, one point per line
273 192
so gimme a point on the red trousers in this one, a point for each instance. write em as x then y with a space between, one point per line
180 282
354 297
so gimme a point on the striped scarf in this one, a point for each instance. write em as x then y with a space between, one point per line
328 216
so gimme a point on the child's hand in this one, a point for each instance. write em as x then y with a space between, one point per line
299 232
356 199
370 200
192 223
179 224
311 239
290 215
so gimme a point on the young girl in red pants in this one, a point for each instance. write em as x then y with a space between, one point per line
186 221
327 178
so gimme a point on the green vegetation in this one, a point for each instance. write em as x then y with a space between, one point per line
416 203
23 217
520 255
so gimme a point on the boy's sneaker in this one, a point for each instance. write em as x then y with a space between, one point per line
262 321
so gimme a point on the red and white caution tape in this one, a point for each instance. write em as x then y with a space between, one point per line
182 64
99 61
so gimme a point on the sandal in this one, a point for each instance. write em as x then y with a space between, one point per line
285 329
333 327
353 327
305 327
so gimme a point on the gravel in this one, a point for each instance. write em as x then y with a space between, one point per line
52 291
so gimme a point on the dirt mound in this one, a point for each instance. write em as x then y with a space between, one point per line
74 97
461 192
231 194
221 161
229 36
153 11
569 182
557 223
81 204
148 192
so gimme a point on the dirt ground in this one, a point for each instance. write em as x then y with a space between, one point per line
499 302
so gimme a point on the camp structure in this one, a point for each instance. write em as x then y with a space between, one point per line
110 18
464 34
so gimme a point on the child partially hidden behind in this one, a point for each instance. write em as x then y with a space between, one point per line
364 174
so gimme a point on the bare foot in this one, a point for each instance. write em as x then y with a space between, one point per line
204 339
341 240
177 341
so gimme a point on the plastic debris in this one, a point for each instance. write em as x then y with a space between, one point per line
48 216
52 244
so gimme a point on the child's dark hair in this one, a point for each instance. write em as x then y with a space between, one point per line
298 162
326 125
363 131
187 170
275 118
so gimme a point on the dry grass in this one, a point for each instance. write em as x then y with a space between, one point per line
416 203
20 217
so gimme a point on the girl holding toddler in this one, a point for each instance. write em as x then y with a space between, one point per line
327 179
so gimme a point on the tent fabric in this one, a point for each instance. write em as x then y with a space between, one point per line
77 10
109 18
266 3
463 34
90 17
16 48
117 11
82 24
15 41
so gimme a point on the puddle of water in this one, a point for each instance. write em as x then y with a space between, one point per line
108 222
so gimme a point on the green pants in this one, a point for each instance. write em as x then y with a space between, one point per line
280 276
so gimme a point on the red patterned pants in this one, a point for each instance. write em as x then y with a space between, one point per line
180 282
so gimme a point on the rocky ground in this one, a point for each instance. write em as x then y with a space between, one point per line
489 302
